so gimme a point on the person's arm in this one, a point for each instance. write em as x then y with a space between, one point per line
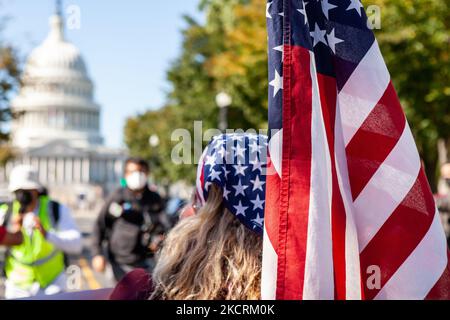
100 229
66 236
163 224
160 203
99 236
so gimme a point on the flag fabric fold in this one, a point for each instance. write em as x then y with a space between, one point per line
349 212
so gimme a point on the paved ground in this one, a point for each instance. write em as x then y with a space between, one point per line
91 279
84 276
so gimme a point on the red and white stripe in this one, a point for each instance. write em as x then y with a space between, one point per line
349 192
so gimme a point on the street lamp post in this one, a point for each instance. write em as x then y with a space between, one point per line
153 141
223 101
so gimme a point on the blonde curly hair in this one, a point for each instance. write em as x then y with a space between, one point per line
209 256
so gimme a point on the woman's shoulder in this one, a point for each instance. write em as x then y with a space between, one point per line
135 285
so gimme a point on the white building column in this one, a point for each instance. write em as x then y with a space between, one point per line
60 172
110 171
51 170
43 170
35 163
118 168
69 170
85 170
95 169
76 170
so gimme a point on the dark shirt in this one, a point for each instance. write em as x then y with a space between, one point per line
443 204
126 224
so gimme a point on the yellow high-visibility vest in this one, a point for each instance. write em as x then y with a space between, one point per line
36 259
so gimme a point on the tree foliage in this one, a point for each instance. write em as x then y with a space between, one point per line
229 53
226 53
161 123
415 42
9 82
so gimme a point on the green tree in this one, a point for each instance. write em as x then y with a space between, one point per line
196 77
414 39
9 82
241 68
160 122
229 52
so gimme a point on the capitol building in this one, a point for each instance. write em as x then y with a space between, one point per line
56 128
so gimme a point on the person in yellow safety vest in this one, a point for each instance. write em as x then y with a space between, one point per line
36 266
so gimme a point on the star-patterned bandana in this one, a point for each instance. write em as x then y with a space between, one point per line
237 164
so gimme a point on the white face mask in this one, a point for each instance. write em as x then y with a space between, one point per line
136 180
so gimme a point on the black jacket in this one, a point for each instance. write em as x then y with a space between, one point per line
126 224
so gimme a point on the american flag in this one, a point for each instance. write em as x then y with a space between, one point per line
349 212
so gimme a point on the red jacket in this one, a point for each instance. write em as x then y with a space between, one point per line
136 285
2 233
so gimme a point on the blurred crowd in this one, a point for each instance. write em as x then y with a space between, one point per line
139 230
40 233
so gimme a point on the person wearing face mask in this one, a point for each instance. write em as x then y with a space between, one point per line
35 266
129 225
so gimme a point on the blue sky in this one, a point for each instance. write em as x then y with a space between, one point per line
127 46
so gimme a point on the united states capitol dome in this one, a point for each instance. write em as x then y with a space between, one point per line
55 127
56 98
55 56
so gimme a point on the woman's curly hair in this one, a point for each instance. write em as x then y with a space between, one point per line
210 255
